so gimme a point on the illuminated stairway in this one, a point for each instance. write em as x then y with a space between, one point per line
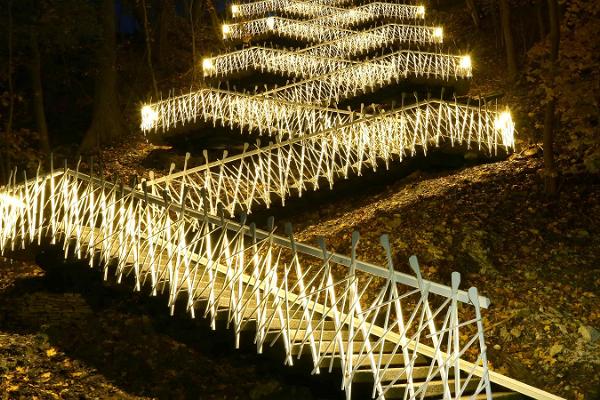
398 335
401 335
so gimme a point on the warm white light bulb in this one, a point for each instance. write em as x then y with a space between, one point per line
438 33
149 118
208 65
421 11
7 200
465 64
504 123
271 22
234 9
226 29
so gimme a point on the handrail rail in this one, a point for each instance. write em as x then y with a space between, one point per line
303 248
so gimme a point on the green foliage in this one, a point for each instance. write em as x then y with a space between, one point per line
576 87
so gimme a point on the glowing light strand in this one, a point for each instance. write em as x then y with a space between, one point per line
327 14
240 183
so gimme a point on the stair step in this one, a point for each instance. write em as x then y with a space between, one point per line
393 359
329 347
432 388
496 395
392 373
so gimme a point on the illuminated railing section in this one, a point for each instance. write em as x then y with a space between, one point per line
264 115
294 63
343 43
289 168
372 12
376 38
359 78
289 108
326 14
312 301
282 7
298 30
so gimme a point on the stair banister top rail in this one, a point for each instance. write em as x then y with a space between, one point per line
301 248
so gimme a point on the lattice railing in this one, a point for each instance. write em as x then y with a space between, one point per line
377 38
347 73
289 28
337 49
406 334
280 7
289 168
327 14
256 113
359 78
295 63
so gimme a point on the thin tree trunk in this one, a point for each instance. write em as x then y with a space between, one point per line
539 12
474 12
38 92
190 6
149 50
163 31
498 39
107 123
550 172
511 58
4 153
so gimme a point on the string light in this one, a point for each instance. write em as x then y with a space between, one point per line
186 247
208 65
504 123
466 65
149 117
329 14
10 201
209 264
226 30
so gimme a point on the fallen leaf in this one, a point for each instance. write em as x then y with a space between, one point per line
555 349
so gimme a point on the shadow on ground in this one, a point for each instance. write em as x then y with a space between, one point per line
131 341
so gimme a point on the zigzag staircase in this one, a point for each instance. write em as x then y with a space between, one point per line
399 334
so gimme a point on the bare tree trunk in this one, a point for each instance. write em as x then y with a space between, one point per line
511 57
474 12
550 172
107 123
149 50
190 7
163 31
5 162
38 92
539 12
